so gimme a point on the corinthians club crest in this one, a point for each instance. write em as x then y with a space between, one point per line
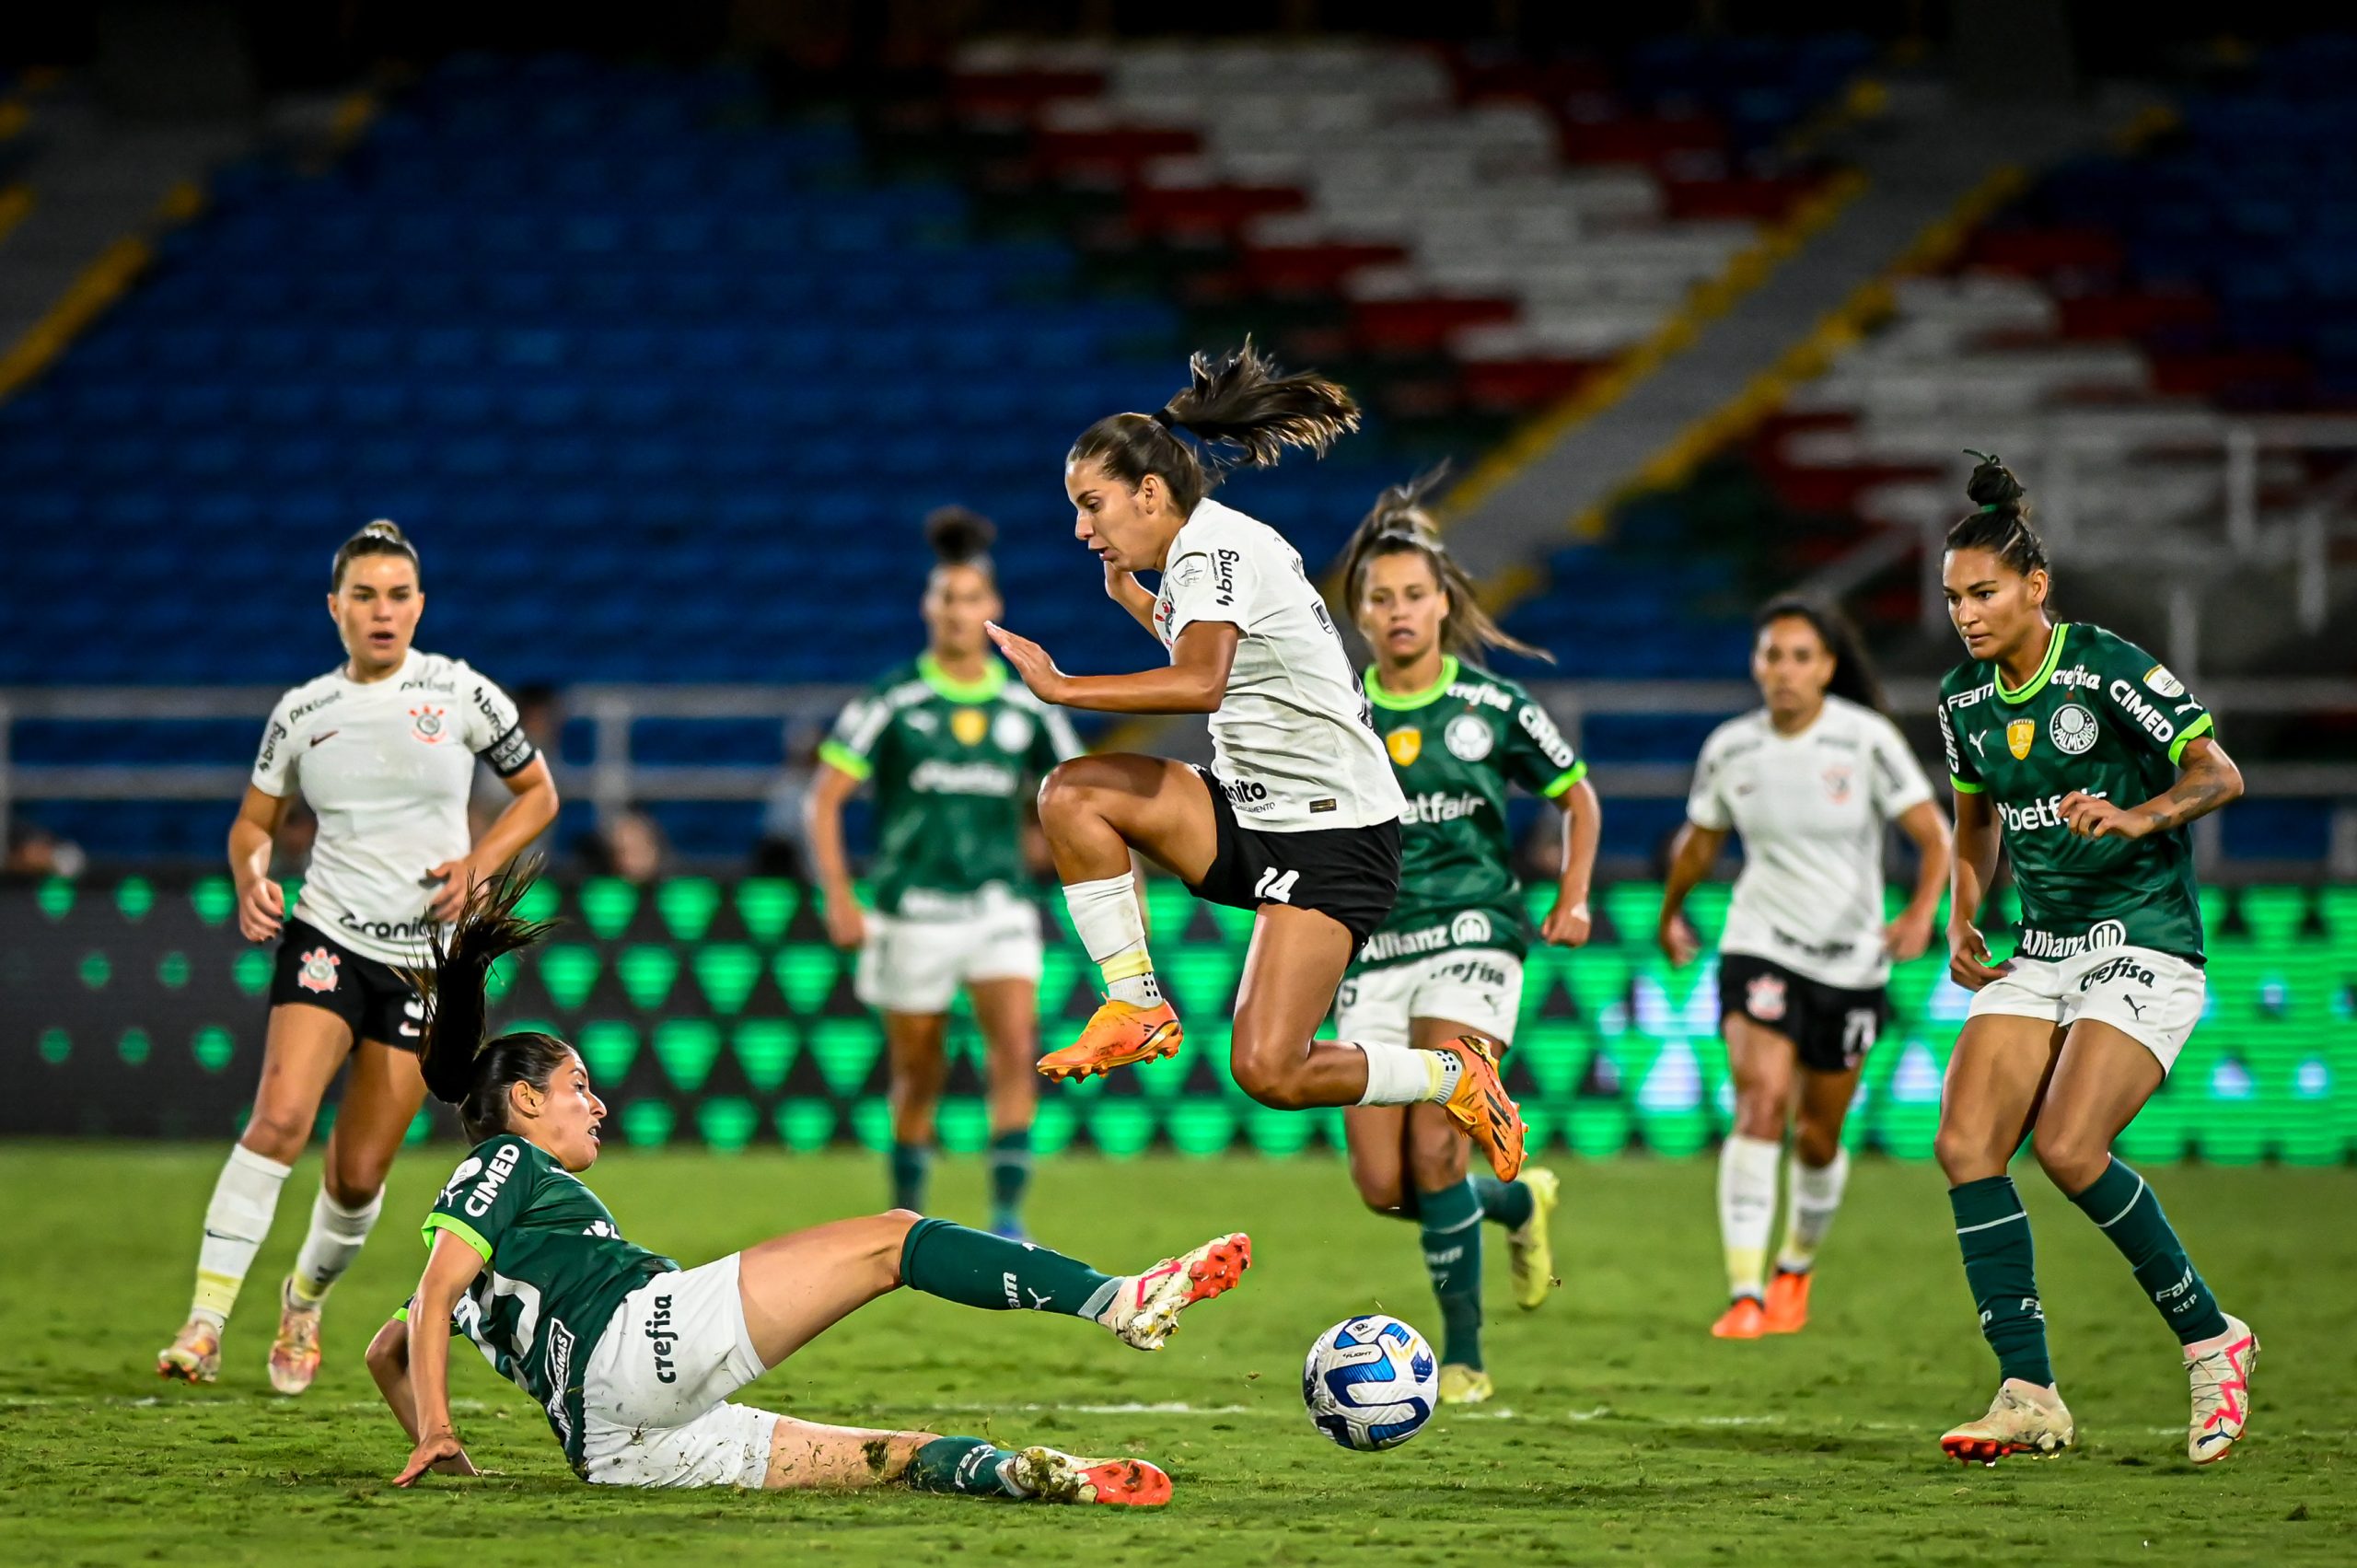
1763 998
428 724
318 972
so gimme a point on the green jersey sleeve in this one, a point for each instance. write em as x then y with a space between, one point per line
1537 757
490 1191
858 734
2155 710
1962 772
1052 741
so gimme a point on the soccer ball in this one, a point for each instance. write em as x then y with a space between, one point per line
1370 1383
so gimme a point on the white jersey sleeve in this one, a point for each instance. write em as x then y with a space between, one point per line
274 764
1895 779
1215 582
1706 804
490 726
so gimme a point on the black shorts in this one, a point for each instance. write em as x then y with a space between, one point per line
370 996
1351 874
1833 1027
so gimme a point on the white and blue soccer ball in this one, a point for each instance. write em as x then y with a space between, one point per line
1370 1383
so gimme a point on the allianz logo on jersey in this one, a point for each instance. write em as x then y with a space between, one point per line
933 776
1469 929
2041 814
1437 805
2041 944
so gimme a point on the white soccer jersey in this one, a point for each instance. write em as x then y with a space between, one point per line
1811 808
387 766
1293 739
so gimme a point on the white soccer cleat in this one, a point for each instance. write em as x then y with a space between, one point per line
2021 1419
294 1354
1050 1476
2220 1369
1145 1307
194 1355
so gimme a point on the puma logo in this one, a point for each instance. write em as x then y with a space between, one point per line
2134 1007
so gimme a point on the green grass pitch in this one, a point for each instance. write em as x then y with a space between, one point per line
1622 1432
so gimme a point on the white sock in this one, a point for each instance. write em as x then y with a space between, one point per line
235 1223
334 1241
1401 1075
1105 914
1816 1199
1747 1209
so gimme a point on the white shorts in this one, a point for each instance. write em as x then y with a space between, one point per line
2154 998
654 1392
1478 986
916 966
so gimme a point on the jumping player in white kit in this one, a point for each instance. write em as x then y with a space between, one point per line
1298 819
384 748
1811 780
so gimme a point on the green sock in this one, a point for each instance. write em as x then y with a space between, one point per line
911 1163
974 1268
1508 1203
966 1465
1010 1174
2000 1268
1451 1221
2130 1212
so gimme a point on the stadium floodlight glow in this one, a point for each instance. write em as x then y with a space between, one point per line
687 905
765 1051
766 905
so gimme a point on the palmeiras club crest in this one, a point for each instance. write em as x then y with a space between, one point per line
318 972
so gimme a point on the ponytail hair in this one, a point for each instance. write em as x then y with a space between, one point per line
1854 677
1239 401
380 538
1400 524
461 1067
961 537
2000 524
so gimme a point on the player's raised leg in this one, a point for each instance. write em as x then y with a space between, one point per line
1008 1012
1816 1176
1994 1081
301 1051
1763 1062
796 1286
1094 811
381 1096
2102 1080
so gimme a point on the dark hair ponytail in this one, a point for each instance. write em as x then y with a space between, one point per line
380 538
1240 401
1855 678
2000 524
461 1067
961 537
1400 524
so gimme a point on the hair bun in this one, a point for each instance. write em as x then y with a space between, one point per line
958 534
384 529
1994 488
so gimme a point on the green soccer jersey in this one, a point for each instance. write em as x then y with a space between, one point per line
950 760
1454 748
2104 717
555 1268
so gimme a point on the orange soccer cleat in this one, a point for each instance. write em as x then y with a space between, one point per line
1119 1034
1787 1309
1054 1477
1481 1106
1743 1319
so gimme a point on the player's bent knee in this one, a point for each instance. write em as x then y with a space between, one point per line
1070 792
1816 1146
277 1137
2072 1159
1273 1082
1965 1155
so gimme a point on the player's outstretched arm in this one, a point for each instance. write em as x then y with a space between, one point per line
1195 682
388 1359
449 1268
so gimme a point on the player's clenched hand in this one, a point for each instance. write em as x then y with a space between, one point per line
1968 962
261 905
1567 925
1031 661
2091 818
1677 940
439 1452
